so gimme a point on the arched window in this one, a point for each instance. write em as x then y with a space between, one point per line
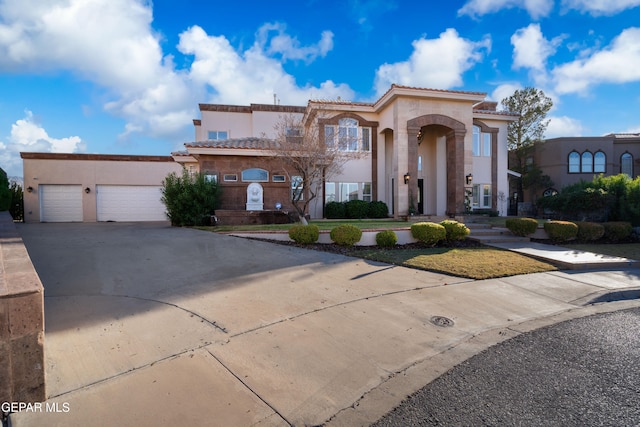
600 162
255 175
574 162
626 164
587 162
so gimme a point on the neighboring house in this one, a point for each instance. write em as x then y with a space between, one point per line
569 160
94 187
434 150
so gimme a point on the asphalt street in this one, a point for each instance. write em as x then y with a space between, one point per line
582 372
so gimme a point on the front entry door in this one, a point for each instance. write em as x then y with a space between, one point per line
420 196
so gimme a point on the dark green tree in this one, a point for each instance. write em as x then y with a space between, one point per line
190 199
5 193
17 202
531 105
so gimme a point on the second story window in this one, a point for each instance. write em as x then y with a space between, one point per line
599 162
481 143
217 135
626 164
587 162
574 162
348 136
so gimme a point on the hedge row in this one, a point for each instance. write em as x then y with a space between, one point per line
562 231
356 209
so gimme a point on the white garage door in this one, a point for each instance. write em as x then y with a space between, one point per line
130 203
60 203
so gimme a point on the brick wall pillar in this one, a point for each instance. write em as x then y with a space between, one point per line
21 320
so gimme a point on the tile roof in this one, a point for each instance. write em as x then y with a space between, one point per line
250 143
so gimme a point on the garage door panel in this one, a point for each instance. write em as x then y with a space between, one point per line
130 203
60 203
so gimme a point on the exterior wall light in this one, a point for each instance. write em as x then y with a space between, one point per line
87 190
469 179
407 177
29 189
420 136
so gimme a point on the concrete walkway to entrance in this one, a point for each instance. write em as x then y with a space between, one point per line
149 325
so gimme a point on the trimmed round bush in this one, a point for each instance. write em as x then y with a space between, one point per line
357 209
429 233
378 209
617 230
304 234
335 210
561 231
386 238
589 231
455 230
346 235
522 226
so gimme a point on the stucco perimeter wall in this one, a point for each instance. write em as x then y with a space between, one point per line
22 377
89 171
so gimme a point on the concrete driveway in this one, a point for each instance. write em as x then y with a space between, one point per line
152 325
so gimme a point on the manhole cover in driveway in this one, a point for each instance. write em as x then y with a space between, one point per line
441 321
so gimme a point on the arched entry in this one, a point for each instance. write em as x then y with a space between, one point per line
453 132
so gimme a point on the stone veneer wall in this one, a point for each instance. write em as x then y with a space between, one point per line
21 320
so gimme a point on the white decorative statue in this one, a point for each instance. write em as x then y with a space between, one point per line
254 197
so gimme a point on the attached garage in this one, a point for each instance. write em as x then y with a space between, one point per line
129 203
65 187
60 203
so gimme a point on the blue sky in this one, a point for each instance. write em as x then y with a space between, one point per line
126 76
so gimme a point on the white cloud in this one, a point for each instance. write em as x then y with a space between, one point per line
29 136
563 126
249 76
435 63
531 49
618 63
289 47
600 7
476 8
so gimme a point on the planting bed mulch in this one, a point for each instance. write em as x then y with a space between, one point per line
351 250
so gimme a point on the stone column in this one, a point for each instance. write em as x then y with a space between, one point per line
455 172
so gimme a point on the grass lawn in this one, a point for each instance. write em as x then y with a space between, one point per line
379 224
624 250
473 263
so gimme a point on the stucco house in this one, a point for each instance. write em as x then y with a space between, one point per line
441 152
435 150
568 160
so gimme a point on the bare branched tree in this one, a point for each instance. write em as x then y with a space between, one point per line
310 156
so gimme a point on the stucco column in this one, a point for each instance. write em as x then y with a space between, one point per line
412 153
455 172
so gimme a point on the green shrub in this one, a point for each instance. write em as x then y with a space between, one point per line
304 234
335 210
190 199
386 238
5 193
346 235
455 230
378 209
561 231
589 231
617 230
522 226
429 233
357 209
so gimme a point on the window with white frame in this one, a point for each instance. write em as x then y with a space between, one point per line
217 135
481 143
366 191
330 192
255 175
297 187
348 191
348 136
481 196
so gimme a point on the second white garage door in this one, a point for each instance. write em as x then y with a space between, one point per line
130 203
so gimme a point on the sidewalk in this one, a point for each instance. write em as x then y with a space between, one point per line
325 340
